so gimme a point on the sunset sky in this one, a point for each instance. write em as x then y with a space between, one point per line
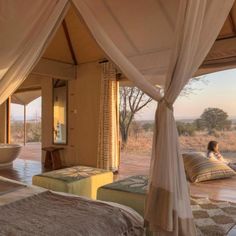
217 90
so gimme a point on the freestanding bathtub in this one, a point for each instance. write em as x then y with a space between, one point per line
8 153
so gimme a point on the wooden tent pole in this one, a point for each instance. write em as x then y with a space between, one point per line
8 120
24 125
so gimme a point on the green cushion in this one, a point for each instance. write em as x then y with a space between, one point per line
134 184
130 192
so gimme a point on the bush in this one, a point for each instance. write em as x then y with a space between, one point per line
214 133
33 130
148 127
186 129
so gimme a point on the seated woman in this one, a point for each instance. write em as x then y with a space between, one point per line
214 153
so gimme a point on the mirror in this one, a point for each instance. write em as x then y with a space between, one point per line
60 111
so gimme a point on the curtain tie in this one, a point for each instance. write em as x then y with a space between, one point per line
169 105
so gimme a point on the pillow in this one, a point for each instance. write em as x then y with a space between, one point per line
200 168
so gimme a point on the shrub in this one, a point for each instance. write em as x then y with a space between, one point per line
148 126
186 129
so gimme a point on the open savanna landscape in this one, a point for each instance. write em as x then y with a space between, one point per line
140 142
140 138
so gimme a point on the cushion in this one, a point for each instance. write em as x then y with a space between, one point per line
130 192
79 180
200 168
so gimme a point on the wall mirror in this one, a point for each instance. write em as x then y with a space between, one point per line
60 111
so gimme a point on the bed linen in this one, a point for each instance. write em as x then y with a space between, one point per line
36 211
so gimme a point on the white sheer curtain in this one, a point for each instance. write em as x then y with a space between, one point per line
26 27
168 209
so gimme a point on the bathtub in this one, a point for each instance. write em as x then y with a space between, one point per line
8 153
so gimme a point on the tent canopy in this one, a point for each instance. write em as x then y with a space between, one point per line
24 98
146 39
74 44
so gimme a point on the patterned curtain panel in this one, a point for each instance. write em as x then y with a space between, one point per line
108 143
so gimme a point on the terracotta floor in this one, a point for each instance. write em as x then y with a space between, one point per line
23 169
32 151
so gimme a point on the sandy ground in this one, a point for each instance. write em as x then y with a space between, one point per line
32 151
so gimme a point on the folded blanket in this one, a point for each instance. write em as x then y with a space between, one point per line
52 214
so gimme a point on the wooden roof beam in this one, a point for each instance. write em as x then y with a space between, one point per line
65 28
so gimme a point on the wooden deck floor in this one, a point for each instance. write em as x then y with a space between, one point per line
28 164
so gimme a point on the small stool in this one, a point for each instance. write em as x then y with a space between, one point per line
52 159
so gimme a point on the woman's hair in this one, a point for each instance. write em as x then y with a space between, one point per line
211 146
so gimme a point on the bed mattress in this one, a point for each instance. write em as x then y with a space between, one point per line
36 211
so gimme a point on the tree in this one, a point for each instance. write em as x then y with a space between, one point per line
132 100
148 126
215 119
190 87
199 125
135 128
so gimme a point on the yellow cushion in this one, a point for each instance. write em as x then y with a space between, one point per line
79 180
200 168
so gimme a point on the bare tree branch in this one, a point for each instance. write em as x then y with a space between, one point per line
132 100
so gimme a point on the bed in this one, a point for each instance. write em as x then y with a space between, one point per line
30 210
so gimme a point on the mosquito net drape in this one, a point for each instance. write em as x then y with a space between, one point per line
26 27
153 42
192 43
168 209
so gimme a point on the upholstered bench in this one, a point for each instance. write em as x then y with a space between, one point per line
130 192
79 180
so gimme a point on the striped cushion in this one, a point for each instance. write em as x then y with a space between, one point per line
200 168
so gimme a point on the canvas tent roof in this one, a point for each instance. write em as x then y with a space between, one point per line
74 44
24 98
223 53
145 39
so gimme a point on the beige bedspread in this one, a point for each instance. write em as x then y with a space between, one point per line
34 211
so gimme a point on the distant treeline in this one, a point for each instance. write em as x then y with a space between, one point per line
212 120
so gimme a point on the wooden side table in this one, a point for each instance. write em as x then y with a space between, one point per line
52 159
